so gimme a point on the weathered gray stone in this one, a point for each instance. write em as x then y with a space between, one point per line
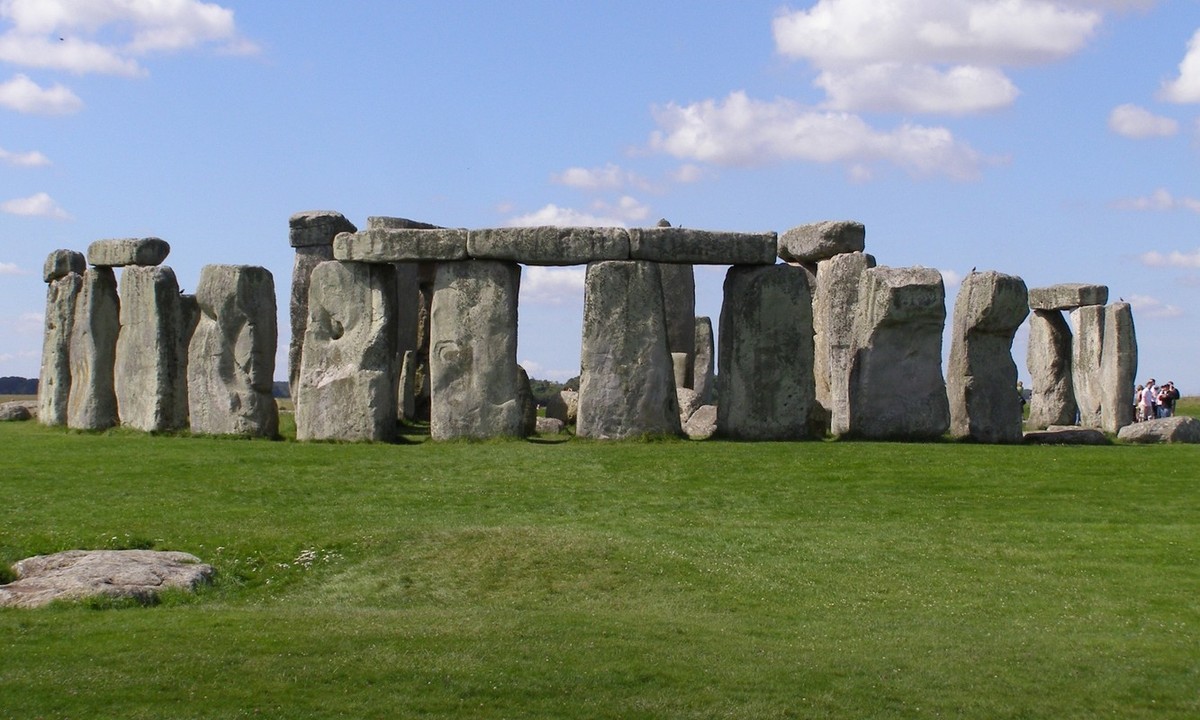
1118 367
689 402
92 404
383 222
54 378
231 357
549 426
15 411
118 574
702 247
981 379
563 405
1067 296
702 424
473 357
679 306
766 354
627 387
317 228
821 241
835 306
406 392
392 245
1087 352
347 369
143 252
1066 435
897 391
681 369
549 245
704 362
60 263
529 416
1048 359
151 372
1177 429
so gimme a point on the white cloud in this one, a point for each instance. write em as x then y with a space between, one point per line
688 173
608 177
25 159
552 285
39 205
7 268
25 96
1186 87
739 131
1175 258
1136 122
1161 200
929 55
563 217
1146 306
951 278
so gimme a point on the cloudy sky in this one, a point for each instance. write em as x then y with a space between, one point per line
1055 140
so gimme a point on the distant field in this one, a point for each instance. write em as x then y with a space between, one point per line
612 580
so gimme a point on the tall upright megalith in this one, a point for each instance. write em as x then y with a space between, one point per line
311 233
896 387
839 279
63 273
348 375
1048 360
627 385
231 357
704 363
475 384
765 354
92 404
151 367
981 378
1087 350
1118 368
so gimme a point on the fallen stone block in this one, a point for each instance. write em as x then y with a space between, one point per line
549 426
139 575
1178 429
702 424
1058 435
15 411
563 405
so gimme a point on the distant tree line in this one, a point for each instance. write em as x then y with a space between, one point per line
18 386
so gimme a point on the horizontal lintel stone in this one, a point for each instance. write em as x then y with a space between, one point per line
1067 296
390 245
549 245
820 241
60 263
702 247
317 227
146 252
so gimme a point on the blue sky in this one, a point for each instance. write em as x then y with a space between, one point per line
1057 141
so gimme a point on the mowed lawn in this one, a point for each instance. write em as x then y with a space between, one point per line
612 580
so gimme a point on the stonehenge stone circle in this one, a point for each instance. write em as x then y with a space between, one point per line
1048 359
347 366
981 377
704 362
64 277
1087 349
144 252
1118 367
311 234
834 342
231 357
765 344
92 404
627 385
151 362
1067 296
897 391
473 372
820 241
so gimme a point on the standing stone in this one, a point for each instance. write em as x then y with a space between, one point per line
151 375
681 368
529 416
834 309
982 378
766 354
679 305
473 378
1052 398
231 357
348 365
703 365
406 397
1118 368
1086 355
63 272
896 388
627 385
92 404
563 405
311 234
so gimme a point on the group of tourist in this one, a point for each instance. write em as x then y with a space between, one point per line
1152 401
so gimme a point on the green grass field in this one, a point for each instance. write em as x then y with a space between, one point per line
619 580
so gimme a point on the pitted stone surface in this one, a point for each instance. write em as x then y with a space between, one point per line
1048 359
549 245
1066 435
835 304
702 424
317 227
1067 296
821 241
392 245
703 364
679 305
92 404
896 389
981 378
474 378
383 222
60 263
689 403
1087 350
231 357
54 378
702 247
145 252
348 371
549 426
1118 367
627 386
529 416
15 411
151 361
564 405
1178 429
766 348
78 574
